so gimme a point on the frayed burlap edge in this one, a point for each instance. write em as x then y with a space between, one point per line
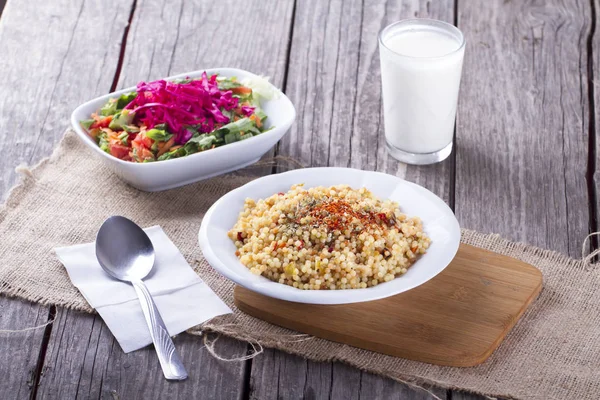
28 179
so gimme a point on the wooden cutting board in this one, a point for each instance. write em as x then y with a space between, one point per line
458 318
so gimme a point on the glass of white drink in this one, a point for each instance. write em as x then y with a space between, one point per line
421 65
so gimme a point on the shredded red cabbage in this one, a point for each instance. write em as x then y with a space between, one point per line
247 110
179 105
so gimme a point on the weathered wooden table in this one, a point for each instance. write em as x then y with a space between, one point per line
523 165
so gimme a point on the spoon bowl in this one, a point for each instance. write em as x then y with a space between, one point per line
124 250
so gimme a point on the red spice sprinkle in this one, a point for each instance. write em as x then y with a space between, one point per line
339 214
239 237
280 193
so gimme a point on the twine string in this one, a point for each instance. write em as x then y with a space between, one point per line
257 349
588 258
31 328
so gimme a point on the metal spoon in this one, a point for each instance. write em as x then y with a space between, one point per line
126 253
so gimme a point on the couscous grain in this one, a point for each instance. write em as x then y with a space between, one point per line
327 238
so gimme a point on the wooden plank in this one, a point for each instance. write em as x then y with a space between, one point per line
84 361
523 118
456 395
522 147
43 55
520 170
457 318
276 375
19 351
172 37
334 82
167 38
41 86
375 387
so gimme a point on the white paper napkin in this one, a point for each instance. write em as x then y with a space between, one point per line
182 298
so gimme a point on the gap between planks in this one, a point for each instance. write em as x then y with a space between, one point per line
286 73
39 365
452 167
591 163
452 172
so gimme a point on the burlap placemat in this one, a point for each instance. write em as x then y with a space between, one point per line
553 352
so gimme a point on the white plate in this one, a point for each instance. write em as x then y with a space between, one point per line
162 175
438 222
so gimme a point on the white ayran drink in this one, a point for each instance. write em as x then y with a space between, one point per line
421 64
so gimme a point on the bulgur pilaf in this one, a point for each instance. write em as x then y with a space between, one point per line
327 238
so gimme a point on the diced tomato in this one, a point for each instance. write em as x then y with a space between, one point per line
147 141
118 150
143 141
146 154
141 153
137 146
101 122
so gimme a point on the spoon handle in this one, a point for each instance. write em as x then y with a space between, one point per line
165 349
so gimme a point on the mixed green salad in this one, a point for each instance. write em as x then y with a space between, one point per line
162 120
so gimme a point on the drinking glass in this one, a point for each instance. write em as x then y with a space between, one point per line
421 66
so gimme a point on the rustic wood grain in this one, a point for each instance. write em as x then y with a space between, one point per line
334 82
277 375
276 382
523 116
458 395
19 351
42 55
84 361
172 37
166 38
457 318
374 387
522 151
51 60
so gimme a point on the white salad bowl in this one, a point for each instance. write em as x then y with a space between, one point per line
438 219
168 174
